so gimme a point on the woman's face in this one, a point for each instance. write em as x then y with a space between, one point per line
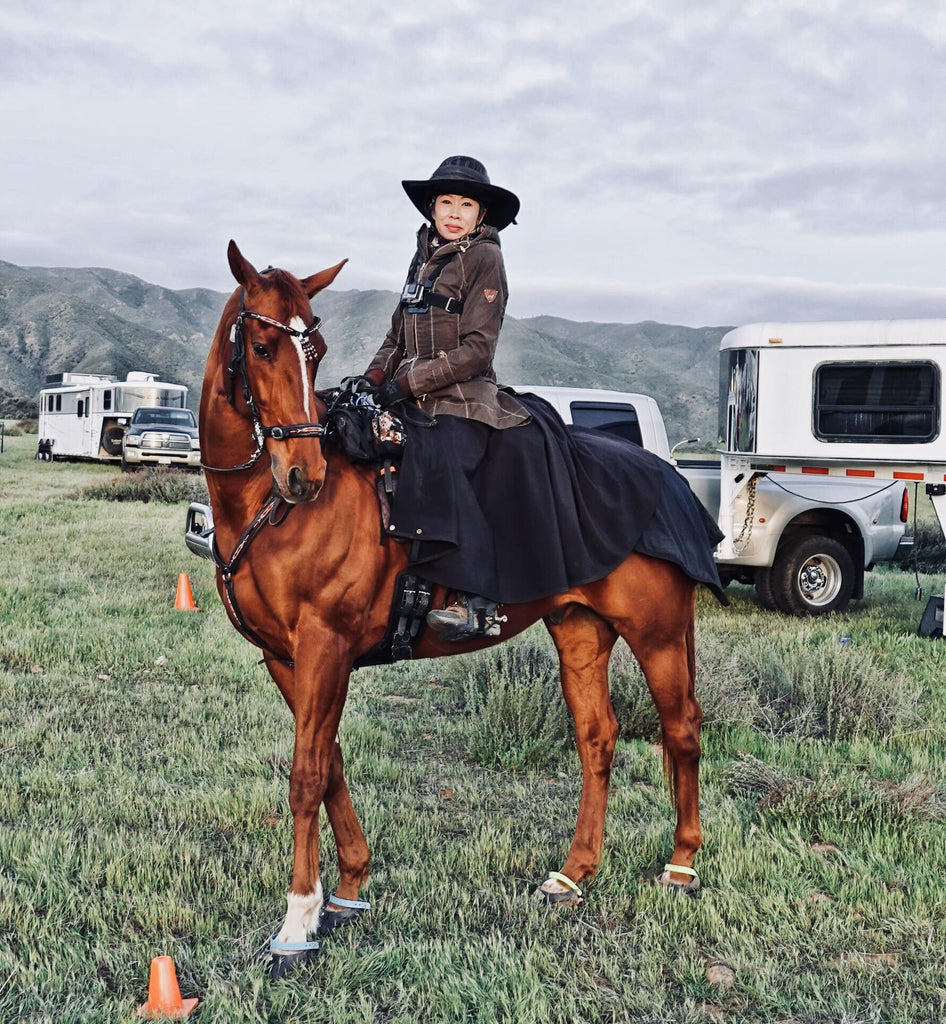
455 216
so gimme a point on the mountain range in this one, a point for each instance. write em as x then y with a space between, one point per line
106 321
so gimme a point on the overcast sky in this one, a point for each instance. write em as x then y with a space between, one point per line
697 163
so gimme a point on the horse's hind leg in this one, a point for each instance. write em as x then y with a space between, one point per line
664 647
584 643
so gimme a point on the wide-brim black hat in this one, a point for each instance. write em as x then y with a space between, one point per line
465 176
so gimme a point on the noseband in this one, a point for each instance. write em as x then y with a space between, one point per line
238 366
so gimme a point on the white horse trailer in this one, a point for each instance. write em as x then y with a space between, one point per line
858 399
84 415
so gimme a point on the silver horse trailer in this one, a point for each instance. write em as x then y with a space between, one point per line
84 415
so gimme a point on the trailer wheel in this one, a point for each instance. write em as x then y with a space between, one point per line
763 589
814 576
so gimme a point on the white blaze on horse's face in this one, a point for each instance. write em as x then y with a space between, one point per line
297 324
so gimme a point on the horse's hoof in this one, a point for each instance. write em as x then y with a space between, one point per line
569 897
285 957
283 964
558 899
690 888
348 910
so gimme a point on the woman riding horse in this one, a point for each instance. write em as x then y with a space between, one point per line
439 350
501 503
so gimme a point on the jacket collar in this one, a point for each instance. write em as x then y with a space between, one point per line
426 236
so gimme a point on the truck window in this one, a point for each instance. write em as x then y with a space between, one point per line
886 402
612 417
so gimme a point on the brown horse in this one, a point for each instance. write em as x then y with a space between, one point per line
315 593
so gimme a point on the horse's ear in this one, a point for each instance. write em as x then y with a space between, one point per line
242 269
314 284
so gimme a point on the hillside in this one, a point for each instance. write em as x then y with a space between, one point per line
105 321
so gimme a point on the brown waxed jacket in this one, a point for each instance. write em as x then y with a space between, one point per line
446 358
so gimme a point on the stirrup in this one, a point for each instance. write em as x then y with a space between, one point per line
470 617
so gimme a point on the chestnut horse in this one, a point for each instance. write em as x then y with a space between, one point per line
315 593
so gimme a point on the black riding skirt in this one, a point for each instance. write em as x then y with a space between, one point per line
518 514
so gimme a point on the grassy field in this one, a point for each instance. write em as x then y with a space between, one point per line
143 807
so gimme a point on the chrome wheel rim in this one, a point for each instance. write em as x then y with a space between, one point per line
819 580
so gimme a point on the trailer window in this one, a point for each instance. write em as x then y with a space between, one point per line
58 403
107 399
738 399
888 403
611 417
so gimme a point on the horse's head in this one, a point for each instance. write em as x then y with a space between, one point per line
275 351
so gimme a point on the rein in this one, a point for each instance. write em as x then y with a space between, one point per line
270 512
238 365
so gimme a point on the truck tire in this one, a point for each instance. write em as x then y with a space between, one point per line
813 575
112 440
763 589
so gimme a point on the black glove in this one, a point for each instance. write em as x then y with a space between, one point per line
392 392
356 385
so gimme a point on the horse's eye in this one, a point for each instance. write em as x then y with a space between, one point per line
260 351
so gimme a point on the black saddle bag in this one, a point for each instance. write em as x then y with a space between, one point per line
364 432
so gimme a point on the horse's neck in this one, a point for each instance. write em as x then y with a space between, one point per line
235 499
235 496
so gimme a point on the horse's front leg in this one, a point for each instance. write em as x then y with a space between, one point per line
320 685
353 854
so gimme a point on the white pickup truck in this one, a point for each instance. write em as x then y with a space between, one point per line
803 541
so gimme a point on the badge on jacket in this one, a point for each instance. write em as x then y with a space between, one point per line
490 294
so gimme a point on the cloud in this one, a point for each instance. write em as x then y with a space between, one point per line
725 301
672 160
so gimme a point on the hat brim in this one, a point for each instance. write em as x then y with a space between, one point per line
502 206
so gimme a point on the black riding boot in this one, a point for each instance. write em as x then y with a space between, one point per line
467 618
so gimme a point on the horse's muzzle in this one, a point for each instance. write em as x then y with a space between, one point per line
297 486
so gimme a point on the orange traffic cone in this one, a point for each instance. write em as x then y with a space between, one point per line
184 599
164 996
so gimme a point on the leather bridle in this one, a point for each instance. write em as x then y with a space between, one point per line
238 367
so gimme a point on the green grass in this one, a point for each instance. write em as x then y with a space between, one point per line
143 807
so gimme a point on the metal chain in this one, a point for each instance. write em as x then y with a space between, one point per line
746 531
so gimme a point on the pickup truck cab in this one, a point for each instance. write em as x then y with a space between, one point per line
804 542
161 436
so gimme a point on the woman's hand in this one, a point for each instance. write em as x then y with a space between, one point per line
392 392
356 385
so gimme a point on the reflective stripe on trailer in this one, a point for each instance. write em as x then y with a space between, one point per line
932 474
